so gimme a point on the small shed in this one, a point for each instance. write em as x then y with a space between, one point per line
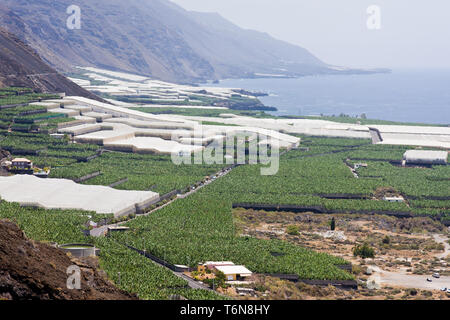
360 165
425 157
57 135
245 291
394 199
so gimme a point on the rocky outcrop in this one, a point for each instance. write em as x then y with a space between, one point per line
21 66
37 271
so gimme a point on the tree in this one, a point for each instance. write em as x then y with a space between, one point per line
220 279
333 224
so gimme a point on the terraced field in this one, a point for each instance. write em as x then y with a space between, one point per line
72 161
307 177
201 227
134 273
144 172
15 114
13 95
61 226
137 274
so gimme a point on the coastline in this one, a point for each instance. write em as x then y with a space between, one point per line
402 96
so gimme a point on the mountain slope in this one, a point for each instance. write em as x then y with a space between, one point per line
152 37
20 66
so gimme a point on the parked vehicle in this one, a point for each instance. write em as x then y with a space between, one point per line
436 275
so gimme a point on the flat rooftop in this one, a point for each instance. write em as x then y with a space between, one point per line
241 270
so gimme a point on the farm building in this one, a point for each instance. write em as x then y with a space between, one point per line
22 163
425 157
234 273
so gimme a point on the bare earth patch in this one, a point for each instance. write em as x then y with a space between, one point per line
407 252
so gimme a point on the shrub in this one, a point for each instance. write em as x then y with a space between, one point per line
364 251
356 269
386 240
427 293
292 230
411 292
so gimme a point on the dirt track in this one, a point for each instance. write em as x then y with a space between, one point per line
441 239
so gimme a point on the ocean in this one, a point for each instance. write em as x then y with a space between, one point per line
421 96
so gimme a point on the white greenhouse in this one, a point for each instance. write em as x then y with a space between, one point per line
425 157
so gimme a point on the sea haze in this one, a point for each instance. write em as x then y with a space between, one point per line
403 95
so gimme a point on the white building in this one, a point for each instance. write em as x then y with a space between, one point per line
425 157
394 199
22 163
233 273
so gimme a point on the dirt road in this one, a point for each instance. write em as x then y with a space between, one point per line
402 279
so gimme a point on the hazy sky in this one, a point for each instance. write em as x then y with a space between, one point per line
414 33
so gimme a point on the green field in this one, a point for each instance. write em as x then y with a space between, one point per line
141 276
67 160
138 274
144 172
15 95
61 226
201 227
25 118
197 112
